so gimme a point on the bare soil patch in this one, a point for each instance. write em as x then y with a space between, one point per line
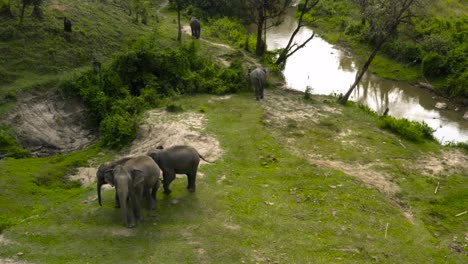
47 124
448 163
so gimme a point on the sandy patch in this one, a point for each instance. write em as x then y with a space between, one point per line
367 175
161 128
86 176
448 162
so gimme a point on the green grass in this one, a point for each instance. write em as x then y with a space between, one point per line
258 203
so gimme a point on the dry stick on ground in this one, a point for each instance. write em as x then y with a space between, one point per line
437 188
462 213
386 230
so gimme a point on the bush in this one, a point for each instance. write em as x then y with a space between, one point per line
118 130
403 51
433 65
410 130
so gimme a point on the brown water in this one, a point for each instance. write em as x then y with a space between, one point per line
328 70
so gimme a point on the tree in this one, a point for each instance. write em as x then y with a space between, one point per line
383 17
24 5
37 11
179 5
260 11
288 50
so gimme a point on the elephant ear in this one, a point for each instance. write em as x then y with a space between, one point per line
109 177
137 177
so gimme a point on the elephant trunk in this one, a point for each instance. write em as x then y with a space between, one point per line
99 184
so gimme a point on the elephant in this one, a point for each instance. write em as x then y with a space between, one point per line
258 80
179 159
143 163
129 187
196 27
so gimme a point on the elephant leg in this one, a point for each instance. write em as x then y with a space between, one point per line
147 196
117 202
154 191
191 177
168 177
261 91
257 92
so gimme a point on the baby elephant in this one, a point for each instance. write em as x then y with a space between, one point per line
180 159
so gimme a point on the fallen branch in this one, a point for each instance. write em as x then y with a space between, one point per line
461 213
437 188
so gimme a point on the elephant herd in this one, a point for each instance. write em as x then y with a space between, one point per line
138 177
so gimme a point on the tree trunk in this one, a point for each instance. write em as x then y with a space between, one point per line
361 72
286 53
37 12
260 46
179 36
22 13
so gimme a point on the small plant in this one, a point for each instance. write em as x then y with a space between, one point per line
202 109
308 93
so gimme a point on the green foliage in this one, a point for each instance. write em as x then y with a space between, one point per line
308 93
229 30
410 130
433 64
118 130
367 109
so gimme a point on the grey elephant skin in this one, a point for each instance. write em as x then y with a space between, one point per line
148 168
258 80
179 159
196 27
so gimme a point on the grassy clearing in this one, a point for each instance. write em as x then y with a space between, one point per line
257 204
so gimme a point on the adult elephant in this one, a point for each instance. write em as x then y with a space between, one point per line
258 80
179 159
196 27
148 168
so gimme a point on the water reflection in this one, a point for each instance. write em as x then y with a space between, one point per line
331 71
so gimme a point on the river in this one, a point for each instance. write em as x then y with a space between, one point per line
329 70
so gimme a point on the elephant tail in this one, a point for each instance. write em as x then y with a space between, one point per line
205 159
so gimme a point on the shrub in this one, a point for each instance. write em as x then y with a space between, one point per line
433 65
410 130
118 130
403 51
